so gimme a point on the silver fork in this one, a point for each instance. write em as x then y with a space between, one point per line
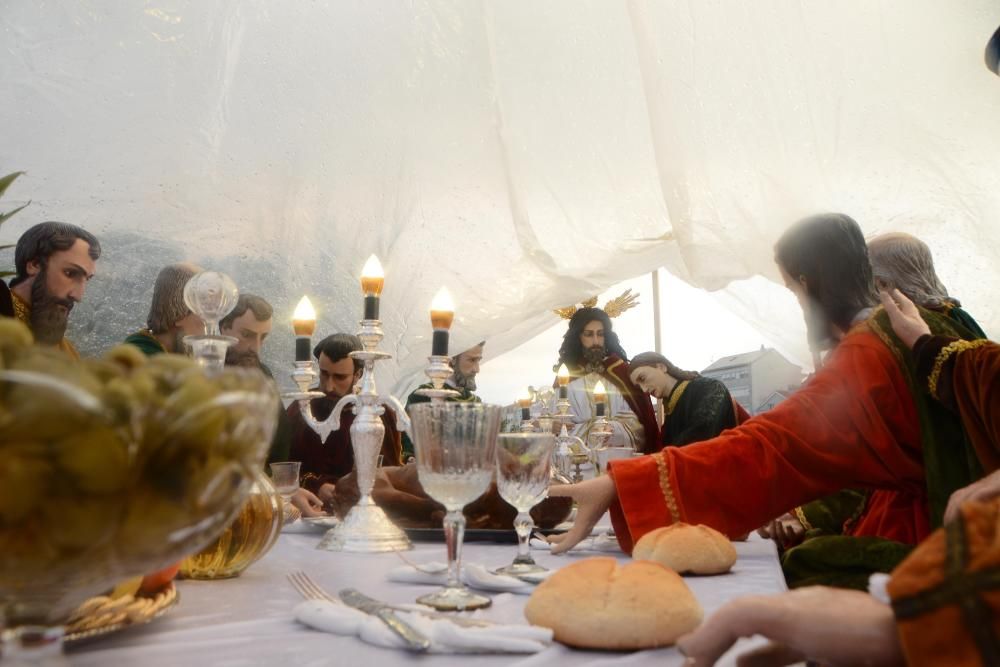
310 590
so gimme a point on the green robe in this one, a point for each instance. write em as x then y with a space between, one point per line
146 343
698 409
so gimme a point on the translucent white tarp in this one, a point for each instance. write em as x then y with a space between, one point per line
525 154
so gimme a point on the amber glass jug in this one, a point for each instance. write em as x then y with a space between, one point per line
248 538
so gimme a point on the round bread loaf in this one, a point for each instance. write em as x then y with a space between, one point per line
686 548
595 603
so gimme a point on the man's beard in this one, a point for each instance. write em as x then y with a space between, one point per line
463 381
593 359
49 313
243 358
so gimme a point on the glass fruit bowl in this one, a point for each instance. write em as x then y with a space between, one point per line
112 468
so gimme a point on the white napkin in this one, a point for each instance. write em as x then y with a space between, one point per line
445 636
298 526
878 587
601 542
473 576
314 525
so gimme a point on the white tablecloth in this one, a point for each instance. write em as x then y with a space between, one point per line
248 620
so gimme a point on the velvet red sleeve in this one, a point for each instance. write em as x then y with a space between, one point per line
976 385
853 425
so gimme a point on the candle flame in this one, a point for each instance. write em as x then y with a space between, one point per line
524 398
305 310
599 389
372 277
563 375
304 318
372 268
442 301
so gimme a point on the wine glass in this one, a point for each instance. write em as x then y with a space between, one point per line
524 462
285 477
454 445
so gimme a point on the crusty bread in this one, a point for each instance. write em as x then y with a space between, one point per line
686 548
595 603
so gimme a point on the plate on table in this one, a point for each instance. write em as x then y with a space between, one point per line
496 536
324 522
103 615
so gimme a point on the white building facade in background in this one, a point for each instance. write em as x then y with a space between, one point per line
758 380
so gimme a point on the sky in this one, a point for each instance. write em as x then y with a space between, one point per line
697 329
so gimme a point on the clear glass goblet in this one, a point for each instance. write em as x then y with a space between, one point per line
285 477
524 463
454 444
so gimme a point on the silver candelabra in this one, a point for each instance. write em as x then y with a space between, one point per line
366 528
571 451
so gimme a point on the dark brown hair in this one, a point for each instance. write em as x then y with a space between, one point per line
829 251
261 309
42 240
654 358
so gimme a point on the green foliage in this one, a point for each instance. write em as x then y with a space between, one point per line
5 183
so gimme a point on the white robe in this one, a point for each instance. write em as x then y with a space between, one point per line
626 429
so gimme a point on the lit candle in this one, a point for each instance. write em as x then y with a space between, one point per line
372 281
600 395
563 377
442 315
304 324
524 400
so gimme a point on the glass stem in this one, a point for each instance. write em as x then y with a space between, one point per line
454 533
523 524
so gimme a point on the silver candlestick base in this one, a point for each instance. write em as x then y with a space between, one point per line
438 370
365 529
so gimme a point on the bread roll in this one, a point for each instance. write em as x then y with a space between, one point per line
595 603
686 548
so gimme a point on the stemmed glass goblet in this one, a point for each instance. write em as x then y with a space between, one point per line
285 477
454 445
524 462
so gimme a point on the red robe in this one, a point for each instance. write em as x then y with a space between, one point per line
967 382
327 462
616 370
854 424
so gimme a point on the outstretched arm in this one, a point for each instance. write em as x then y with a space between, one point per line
593 498
827 625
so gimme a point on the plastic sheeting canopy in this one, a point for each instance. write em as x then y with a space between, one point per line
527 155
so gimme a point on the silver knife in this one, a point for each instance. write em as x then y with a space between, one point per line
415 641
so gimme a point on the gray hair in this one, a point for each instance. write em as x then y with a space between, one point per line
903 261
168 304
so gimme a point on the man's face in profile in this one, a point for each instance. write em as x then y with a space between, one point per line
467 368
57 284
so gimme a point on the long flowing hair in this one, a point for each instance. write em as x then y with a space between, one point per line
654 358
829 251
571 350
